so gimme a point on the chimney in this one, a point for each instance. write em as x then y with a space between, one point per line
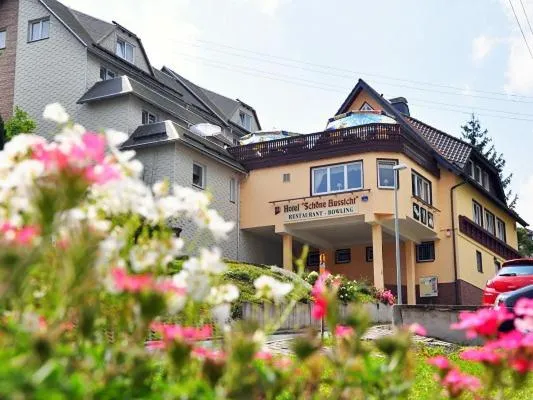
400 104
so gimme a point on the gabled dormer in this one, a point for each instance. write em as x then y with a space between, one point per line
483 175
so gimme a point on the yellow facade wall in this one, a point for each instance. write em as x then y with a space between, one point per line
361 99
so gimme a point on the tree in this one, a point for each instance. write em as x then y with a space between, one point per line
481 141
20 122
525 242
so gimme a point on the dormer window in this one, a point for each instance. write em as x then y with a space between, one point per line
366 107
125 50
148 118
486 180
246 120
106 74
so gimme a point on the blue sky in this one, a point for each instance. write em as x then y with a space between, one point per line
295 61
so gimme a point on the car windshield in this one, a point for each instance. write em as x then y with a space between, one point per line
514 270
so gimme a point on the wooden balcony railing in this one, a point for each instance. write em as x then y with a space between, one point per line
353 140
485 238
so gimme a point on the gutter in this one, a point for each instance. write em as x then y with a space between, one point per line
454 244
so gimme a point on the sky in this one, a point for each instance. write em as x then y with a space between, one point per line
295 61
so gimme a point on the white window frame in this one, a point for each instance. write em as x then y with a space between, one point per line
41 22
3 38
422 188
246 120
108 73
470 168
500 230
123 44
477 168
387 162
478 220
490 221
203 175
328 169
149 115
232 190
486 180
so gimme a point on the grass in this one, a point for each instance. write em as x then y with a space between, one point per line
425 386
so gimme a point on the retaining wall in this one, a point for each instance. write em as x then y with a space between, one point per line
436 319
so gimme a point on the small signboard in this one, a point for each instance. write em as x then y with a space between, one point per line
429 286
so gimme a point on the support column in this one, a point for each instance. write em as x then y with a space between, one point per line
377 249
287 252
410 261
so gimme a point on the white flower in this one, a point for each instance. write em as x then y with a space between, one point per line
270 288
176 302
141 258
56 113
218 227
161 188
209 262
221 314
115 138
197 284
223 294
189 200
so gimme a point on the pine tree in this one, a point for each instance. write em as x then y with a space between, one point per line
479 138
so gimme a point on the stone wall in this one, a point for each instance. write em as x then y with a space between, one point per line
8 22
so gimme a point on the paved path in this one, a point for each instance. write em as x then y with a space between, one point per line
281 344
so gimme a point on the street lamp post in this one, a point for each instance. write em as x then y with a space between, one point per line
397 169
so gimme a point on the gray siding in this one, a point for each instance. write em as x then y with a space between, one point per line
50 70
110 43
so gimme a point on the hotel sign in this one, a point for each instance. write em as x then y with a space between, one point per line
317 209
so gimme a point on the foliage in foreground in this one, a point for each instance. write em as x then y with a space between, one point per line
85 271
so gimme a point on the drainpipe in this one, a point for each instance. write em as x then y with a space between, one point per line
456 289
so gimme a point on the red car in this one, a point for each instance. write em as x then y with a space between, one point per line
513 275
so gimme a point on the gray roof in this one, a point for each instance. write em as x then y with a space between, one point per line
95 27
66 15
164 132
225 104
453 149
125 85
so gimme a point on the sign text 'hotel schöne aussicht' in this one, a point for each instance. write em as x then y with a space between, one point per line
317 209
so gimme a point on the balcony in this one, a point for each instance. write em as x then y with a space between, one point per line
345 141
485 238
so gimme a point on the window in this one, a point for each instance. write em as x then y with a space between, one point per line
2 40
497 265
337 178
198 175
246 120
421 188
232 190
286 178
477 213
479 261
106 74
386 174
366 107
425 252
39 29
500 230
148 118
313 258
477 174
470 168
486 180
343 256
125 50
489 222
369 254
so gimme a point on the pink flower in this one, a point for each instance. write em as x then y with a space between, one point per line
456 382
282 362
319 309
524 307
153 345
263 355
521 364
319 293
440 362
417 329
342 331
483 355
207 354
484 322
94 146
101 173
524 324
21 236
131 283
187 334
507 341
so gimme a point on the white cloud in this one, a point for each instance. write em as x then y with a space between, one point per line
481 47
519 73
525 200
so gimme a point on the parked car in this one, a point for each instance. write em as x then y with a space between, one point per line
508 300
514 274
